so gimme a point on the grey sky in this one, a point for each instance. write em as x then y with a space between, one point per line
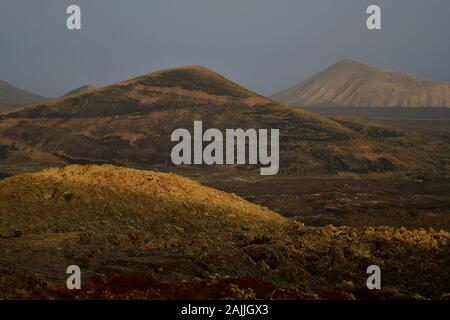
264 45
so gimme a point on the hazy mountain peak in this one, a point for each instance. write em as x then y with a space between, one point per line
351 83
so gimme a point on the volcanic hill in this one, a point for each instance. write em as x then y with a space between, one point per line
350 83
130 124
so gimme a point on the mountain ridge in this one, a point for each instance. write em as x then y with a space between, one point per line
350 83
111 220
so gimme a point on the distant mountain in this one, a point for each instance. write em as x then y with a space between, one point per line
353 84
158 198
11 96
78 91
130 123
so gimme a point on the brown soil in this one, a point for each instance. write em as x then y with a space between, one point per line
172 230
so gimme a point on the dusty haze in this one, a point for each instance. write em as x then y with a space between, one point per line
264 45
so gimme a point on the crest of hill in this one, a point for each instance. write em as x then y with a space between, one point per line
169 88
351 83
11 96
105 199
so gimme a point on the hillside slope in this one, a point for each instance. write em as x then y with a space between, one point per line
350 83
102 198
11 96
130 123
79 90
114 220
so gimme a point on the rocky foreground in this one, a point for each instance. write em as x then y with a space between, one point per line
140 234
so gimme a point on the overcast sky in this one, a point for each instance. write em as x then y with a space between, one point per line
264 45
